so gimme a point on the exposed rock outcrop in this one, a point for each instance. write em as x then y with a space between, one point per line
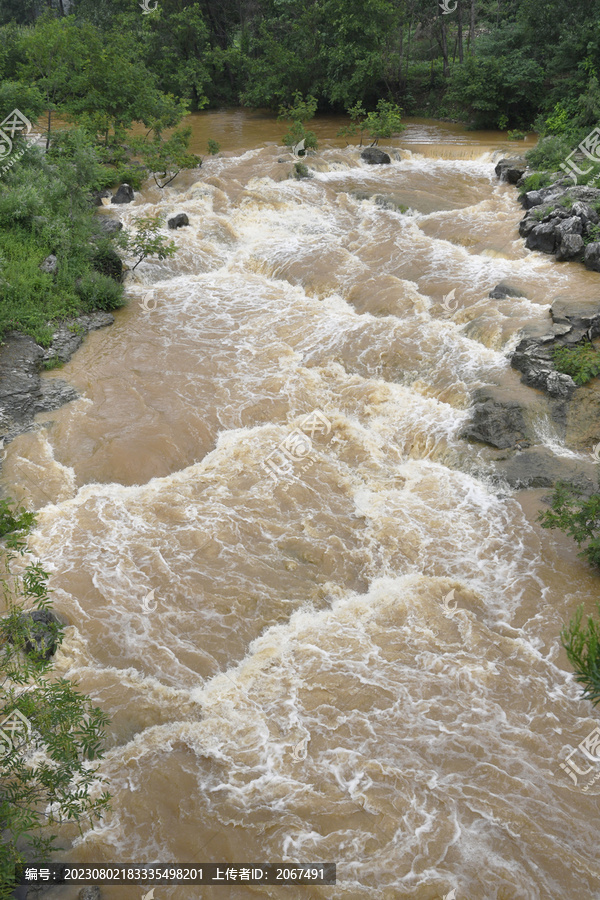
375 157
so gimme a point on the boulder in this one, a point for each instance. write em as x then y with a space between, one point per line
99 196
497 419
503 290
539 467
585 212
581 316
571 247
542 238
591 258
527 225
568 225
124 194
533 358
511 169
531 199
50 265
108 225
178 221
375 157
555 214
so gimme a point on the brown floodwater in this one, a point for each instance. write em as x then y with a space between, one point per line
256 508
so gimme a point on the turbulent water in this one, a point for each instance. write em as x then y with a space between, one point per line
268 633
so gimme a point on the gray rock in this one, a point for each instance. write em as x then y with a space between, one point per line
99 196
591 258
582 317
531 199
496 419
70 334
570 225
178 221
50 264
511 169
571 247
585 212
539 467
375 157
555 214
124 194
503 290
533 358
108 225
527 225
542 238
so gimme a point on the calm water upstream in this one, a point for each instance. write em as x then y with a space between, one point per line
294 688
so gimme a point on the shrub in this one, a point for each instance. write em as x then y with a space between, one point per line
581 362
579 518
98 291
213 147
534 182
582 643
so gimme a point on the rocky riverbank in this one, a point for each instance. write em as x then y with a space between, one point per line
561 220
23 391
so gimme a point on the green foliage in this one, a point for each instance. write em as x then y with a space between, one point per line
146 241
299 112
582 643
516 135
581 362
593 234
577 517
213 147
385 121
166 157
45 209
58 723
357 115
15 521
99 291
126 173
534 182
301 171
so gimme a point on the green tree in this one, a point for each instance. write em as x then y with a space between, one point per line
48 716
298 112
146 241
166 157
384 122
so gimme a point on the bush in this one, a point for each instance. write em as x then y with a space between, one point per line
130 174
581 362
582 643
98 291
579 518
213 147
534 182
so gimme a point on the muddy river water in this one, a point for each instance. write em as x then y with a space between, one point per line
254 513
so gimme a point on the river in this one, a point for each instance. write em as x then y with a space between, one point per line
268 632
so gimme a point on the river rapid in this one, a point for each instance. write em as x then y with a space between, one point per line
348 652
